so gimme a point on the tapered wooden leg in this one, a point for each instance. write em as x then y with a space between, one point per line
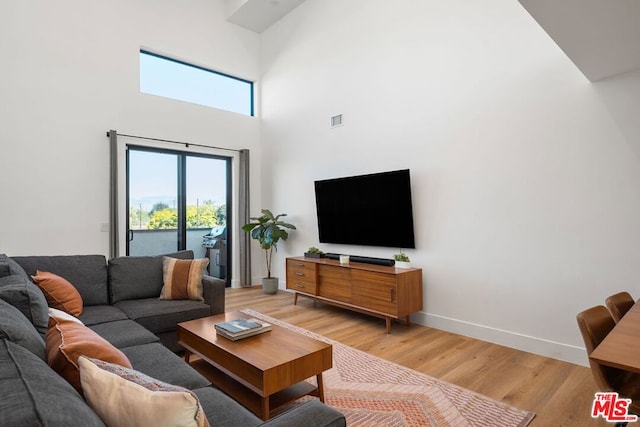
320 387
408 320
295 298
388 321
187 355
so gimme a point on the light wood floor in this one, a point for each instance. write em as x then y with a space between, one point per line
559 393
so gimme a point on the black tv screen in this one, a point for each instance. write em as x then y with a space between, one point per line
370 210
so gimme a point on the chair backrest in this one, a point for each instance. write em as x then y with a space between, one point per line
619 304
595 323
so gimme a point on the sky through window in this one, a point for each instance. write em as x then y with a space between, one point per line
185 82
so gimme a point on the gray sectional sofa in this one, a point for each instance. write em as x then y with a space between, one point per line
120 303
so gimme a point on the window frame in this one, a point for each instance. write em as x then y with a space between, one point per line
181 196
209 70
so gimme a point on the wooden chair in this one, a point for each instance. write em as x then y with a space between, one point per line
595 323
619 304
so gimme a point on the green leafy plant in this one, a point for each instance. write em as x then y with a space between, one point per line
401 257
268 231
314 250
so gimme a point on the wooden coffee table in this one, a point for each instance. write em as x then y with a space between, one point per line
263 372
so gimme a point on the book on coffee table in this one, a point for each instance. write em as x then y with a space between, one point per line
241 328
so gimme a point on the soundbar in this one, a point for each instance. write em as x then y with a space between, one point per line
364 259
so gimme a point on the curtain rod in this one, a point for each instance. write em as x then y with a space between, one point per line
186 144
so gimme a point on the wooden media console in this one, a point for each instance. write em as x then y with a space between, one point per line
382 291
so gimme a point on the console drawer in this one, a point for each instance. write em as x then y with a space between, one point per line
301 276
301 285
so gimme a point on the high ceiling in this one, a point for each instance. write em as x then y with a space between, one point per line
601 37
258 15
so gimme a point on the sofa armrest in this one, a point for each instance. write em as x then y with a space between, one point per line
213 293
310 414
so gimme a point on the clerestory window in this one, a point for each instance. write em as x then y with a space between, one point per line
171 78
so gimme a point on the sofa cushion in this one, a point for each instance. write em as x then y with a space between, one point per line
123 396
182 278
135 277
4 269
33 395
159 362
26 297
161 315
94 314
9 267
15 327
223 411
124 333
59 292
67 340
88 273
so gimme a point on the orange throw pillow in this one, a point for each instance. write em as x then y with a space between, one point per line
68 340
59 292
183 278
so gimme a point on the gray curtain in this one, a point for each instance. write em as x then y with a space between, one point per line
114 250
244 243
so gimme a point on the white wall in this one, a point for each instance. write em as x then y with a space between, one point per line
525 177
70 72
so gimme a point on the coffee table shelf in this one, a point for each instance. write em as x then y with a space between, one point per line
247 397
263 372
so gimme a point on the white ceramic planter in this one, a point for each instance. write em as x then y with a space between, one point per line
403 264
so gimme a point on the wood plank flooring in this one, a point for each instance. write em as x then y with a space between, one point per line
560 393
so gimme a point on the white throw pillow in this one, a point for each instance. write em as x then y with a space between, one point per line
125 397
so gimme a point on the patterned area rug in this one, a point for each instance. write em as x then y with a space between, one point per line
371 391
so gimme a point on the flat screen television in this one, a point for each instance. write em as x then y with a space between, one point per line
370 210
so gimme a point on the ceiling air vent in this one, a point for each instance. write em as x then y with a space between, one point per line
336 121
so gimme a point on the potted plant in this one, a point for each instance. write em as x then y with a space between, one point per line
402 260
268 230
314 252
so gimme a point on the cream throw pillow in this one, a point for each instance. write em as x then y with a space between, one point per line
125 397
59 314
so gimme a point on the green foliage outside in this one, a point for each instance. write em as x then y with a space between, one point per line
162 217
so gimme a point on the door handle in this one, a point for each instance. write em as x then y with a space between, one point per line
130 235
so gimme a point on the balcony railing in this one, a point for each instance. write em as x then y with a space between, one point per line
156 242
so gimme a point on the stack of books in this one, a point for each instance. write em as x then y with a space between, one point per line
241 328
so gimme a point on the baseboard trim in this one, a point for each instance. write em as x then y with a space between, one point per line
555 350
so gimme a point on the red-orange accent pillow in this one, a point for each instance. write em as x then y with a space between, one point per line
68 340
59 292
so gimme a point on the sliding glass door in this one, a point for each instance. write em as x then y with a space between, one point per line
178 201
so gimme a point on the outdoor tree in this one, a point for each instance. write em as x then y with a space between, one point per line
163 219
138 219
201 216
221 214
158 207
204 215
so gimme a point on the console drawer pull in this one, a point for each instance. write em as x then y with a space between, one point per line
299 285
299 274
